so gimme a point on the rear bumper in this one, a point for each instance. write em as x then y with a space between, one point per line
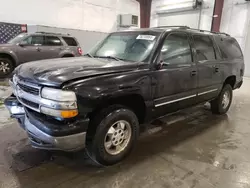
48 135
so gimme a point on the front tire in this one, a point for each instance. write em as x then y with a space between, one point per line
222 103
6 67
116 134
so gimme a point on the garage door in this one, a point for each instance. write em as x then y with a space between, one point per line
187 18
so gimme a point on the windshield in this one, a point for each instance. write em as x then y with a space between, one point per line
127 46
18 38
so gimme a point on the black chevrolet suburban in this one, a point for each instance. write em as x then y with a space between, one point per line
98 102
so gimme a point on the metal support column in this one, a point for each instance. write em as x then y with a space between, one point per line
217 15
145 11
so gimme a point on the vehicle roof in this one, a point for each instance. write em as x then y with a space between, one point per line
176 28
51 34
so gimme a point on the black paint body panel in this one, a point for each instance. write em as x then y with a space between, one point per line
96 80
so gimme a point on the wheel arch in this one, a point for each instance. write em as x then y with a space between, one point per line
231 80
6 55
67 55
134 102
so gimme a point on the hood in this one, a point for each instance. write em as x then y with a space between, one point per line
54 72
6 45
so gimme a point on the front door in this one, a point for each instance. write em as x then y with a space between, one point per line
31 49
209 74
176 80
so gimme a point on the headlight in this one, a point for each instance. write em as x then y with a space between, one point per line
64 104
58 95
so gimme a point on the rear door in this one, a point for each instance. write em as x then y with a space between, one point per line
52 48
209 74
72 46
176 80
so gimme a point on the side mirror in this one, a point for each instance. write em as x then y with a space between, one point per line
161 64
22 43
158 66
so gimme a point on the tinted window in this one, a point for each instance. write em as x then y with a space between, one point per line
70 41
34 40
53 41
204 48
229 48
176 49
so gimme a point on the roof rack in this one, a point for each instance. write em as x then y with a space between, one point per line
42 32
202 30
186 27
179 26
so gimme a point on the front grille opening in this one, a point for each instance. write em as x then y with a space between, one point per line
29 89
29 103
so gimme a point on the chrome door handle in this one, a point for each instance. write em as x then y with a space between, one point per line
193 73
216 69
38 49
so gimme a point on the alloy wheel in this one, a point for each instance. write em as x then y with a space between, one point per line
117 137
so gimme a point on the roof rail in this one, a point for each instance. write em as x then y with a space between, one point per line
202 30
179 26
186 27
42 32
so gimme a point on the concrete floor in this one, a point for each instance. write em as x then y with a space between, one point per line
190 149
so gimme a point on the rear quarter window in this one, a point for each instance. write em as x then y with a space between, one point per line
229 47
70 41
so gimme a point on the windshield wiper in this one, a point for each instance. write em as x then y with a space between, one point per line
109 57
89 55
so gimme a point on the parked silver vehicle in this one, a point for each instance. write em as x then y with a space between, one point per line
29 47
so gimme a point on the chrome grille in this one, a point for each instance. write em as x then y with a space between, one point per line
27 93
29 89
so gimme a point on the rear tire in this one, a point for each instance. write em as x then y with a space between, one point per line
6 67
222 103
116 134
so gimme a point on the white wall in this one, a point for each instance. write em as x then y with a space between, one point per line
93 15
193 18
235 19
236 22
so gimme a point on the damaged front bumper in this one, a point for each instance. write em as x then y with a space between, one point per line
46 133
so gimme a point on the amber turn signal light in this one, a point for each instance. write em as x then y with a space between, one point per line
69 113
